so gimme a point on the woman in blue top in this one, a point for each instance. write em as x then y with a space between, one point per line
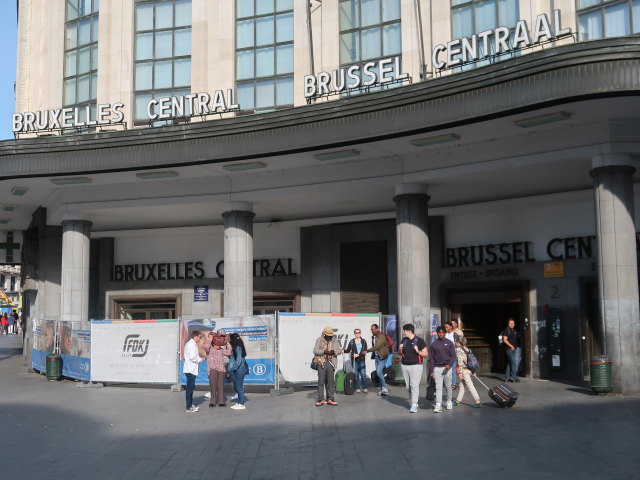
357 345
238 368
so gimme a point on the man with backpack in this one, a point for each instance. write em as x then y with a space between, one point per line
380 350
413 349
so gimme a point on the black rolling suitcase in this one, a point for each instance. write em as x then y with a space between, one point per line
349 379
501 394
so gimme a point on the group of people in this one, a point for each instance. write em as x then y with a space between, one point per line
197 350
10 324
447 357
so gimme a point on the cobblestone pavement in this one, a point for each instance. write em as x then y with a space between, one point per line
55 430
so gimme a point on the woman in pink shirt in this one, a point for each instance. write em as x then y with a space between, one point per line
216 371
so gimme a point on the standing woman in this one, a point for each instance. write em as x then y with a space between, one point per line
215 371
238 368
356 346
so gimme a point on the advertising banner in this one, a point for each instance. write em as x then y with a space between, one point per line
134 351
298 333
257 334
44 342
74 339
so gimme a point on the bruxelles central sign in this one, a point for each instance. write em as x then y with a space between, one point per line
193 104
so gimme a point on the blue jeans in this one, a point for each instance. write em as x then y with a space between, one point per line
191 386
518 359
238 382
512 368
454 377
380 365
360 369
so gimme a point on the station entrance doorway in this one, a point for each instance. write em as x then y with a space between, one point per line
482 314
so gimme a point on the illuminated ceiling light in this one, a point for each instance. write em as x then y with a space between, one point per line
423 142
8 208
155 175
542 119
71 180
239 167
4 221
337 154
19 191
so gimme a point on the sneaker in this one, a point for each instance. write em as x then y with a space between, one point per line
517 379
383 392
222 404
449 405
332 402
414 408
319 403
456 403
212 405
235 397
437 408
476 405
237 406
364 390
207 395
358 390
192 409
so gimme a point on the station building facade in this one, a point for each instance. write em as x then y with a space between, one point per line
429 159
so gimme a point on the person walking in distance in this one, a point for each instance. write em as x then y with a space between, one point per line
413 350
441 358
326 350
511 340
192 358
380 351
465 374
356 347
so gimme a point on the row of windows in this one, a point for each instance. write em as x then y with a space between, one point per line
369 30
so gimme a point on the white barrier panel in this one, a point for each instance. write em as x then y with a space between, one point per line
298 333
137 351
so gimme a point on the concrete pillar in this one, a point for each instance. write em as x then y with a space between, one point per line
238 259
74 287
618 268
413 256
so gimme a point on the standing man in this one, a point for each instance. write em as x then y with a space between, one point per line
380 352
441 359
511 340
192 358
412 349
326 351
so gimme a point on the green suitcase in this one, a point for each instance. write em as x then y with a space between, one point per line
340 378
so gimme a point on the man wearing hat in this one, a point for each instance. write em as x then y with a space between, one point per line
326 352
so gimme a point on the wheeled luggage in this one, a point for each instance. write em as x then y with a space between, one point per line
502 394
350 383
341 376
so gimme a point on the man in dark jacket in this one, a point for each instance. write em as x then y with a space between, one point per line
441 358
380 350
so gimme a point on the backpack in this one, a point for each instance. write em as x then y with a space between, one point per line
472 361
389 343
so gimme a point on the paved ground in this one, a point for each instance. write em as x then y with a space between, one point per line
52 430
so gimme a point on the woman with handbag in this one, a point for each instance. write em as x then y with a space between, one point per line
238 368
356 346
326 352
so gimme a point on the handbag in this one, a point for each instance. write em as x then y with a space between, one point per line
431 389
314 364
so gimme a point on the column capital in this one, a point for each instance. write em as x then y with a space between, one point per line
609 169
411 189
611 159
230 207
76 217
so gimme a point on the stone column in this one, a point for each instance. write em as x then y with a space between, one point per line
238 259
618 268
413 257
74 287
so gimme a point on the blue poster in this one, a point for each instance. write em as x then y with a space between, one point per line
201 293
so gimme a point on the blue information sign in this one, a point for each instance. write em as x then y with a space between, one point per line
201 293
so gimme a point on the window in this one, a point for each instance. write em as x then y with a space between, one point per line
469 17
264 54
369 30
81 56
162 53
607 18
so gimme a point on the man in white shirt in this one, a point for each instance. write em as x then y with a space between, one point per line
190 369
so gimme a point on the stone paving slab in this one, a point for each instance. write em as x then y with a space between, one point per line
556 431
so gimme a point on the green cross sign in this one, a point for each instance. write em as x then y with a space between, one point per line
9 247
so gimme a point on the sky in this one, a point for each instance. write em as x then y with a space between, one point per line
8 38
